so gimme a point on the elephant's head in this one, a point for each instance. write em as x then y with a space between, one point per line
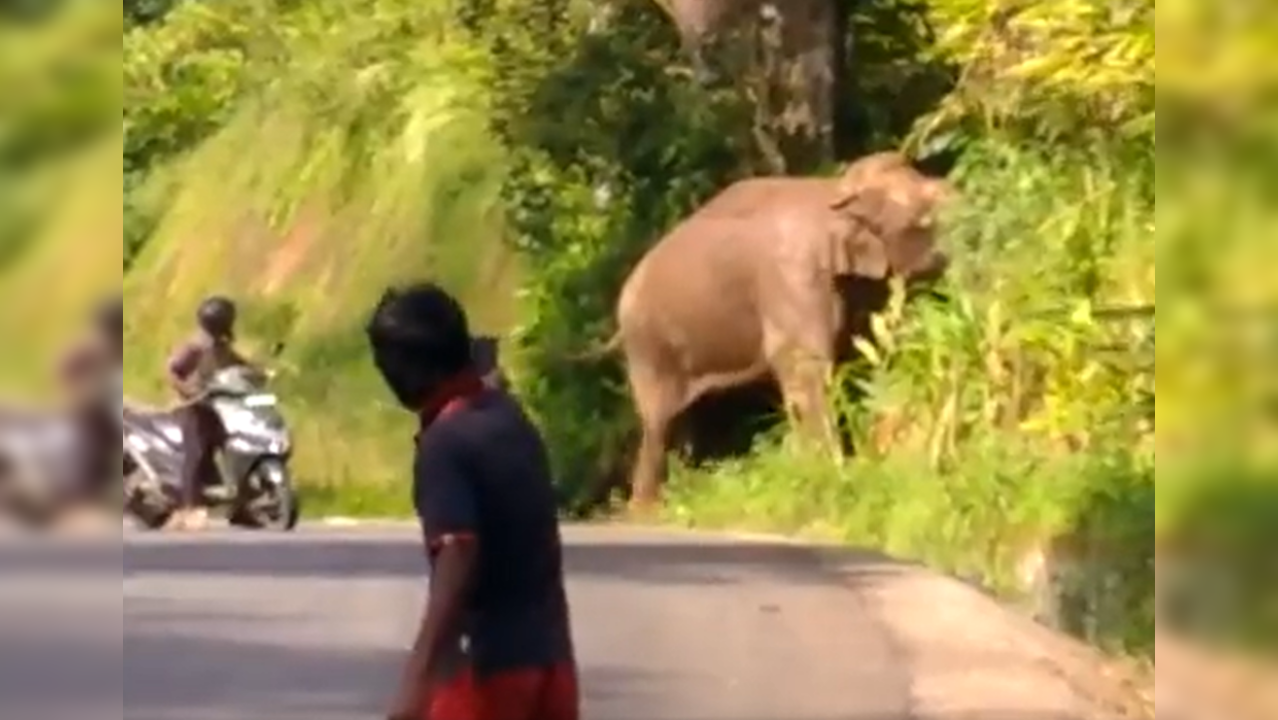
887 214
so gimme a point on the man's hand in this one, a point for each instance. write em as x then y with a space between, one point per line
188 391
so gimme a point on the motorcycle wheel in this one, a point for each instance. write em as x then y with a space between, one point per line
21 502
150 515
267 498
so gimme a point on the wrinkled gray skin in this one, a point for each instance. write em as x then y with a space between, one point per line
748 288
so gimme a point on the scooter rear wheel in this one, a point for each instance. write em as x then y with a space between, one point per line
150 513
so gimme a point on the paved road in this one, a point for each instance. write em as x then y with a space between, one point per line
311 627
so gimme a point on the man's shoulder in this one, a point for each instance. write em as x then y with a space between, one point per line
188 347
489 406
195 341
472 422
446 435
434 439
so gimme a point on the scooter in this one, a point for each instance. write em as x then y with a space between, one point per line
37 471
254 483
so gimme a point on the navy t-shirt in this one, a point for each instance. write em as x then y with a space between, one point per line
482 470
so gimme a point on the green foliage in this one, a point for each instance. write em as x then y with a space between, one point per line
1058 68
67 262
348 155
142 12
586 198
61 80
184 75
59 67
1012 417
895 74
1218 497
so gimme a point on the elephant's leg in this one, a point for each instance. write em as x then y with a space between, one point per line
658 401
799 342
805 383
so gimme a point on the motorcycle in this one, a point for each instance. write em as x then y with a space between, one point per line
37 471
254 482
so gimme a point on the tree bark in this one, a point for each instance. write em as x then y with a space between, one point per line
800 54
785 54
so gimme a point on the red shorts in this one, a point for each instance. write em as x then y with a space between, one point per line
549 693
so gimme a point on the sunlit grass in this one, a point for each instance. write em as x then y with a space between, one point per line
71 263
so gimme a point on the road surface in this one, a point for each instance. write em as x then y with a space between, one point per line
670 626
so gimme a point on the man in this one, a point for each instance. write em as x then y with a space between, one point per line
190 368
92 375
494 642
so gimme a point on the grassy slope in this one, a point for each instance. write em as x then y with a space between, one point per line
304 207
72 261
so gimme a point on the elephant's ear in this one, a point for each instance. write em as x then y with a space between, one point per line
866 174
866 204
857 251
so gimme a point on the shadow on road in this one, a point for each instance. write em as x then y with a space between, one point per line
45 676
51 557
180 664
180 678
177 677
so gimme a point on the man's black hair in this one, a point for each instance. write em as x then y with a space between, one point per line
422 323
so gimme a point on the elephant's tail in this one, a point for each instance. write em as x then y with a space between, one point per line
609 348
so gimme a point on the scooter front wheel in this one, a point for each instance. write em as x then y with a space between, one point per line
267 498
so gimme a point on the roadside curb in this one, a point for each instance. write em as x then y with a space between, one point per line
342 521
345 522
749 537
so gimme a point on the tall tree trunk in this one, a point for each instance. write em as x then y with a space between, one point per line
848 139
786 54
799 59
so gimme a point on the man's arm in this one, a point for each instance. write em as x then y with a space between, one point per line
444 496
182 366
440 628
78 362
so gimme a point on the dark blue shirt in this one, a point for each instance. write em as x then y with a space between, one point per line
482 471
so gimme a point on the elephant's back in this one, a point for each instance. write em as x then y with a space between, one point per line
765 197
693 295
701 256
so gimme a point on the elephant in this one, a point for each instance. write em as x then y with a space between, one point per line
750 287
